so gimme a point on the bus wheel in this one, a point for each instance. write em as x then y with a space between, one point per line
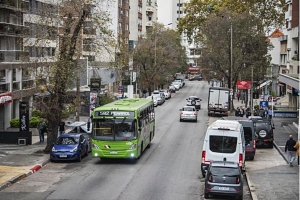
141 150
149 145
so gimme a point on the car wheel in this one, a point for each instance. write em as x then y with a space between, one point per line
79 157
196 120
251 157
240 197
180 120
86 150
206 195
271 145
51 160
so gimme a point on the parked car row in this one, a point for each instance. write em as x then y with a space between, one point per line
176 85
227 145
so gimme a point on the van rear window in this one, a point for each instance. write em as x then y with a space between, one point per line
222 144
248 135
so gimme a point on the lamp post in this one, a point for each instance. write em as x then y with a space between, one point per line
231 65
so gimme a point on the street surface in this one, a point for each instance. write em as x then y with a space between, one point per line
169 170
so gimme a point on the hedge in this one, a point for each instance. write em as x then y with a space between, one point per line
15 123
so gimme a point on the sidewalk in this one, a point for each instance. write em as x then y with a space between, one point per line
269 176
18 161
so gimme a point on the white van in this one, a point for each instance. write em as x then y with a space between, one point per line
224 141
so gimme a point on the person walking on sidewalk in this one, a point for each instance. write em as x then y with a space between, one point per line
270 113
238 95
61 126
297 153
289 148
42 127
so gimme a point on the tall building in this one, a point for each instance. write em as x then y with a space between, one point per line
15 81
193 50
288 79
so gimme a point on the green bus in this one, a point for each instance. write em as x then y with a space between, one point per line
123 128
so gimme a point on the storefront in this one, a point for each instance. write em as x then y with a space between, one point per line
5 110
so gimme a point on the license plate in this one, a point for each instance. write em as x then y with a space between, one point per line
113 152
63 156
223 188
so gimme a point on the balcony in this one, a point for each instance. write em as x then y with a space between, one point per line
149 10
150 23
15 30
288 15
18 5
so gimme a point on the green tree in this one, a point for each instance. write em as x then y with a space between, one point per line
271 12
65 23
248 49
159 56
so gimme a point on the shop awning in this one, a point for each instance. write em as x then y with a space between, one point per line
264 84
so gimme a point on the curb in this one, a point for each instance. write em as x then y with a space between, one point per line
20 176
251 187
280 151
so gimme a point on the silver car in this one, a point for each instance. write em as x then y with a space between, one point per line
223 178
188 113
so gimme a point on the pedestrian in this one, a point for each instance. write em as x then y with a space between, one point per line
238 95
61 127
248 113
297 153
270 113
42 127
242 112
237 112
289 148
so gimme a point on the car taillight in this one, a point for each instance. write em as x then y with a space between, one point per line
237 180
240 160
271 133
203 156
254 144
210 178
195 113
181 112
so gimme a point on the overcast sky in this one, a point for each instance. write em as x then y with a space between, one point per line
164 11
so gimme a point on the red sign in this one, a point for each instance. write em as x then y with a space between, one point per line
5 98
244 85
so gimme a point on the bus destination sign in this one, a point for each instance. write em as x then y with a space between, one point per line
114 113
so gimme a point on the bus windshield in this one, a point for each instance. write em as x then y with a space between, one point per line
117 129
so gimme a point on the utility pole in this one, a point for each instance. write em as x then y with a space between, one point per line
231 65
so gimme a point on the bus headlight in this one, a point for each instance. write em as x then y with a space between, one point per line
132 147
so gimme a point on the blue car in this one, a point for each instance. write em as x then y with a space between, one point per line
69 147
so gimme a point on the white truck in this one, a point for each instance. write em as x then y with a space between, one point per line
180 76
218 101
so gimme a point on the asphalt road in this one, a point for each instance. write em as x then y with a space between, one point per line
169 170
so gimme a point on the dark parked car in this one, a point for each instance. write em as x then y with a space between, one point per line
264 132
249 133
223 178
196 78
69 147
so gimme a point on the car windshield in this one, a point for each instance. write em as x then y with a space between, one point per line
67 140
188 109
224 171
114 129
194 98
222 144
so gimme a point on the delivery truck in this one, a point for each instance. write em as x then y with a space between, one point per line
218 101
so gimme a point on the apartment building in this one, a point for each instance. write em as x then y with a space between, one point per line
285 56
289 54
193 50
16 83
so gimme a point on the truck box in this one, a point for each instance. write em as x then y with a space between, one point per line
218 101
